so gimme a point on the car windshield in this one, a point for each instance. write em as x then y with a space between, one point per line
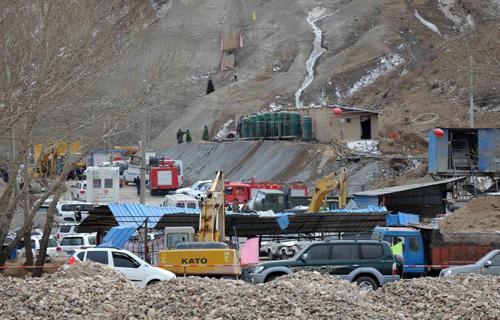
74 206
64 229
72 241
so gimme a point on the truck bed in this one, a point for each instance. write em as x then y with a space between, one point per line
458 248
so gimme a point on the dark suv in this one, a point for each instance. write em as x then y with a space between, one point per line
369 263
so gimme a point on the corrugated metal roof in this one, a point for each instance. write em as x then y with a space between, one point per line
383 191
134 214
117 236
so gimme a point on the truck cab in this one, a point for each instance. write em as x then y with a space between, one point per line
413 246
181 201
268 200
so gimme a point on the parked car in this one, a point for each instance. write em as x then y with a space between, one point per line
134 268
70 243
78 191
369 263
489 264
53 249
198 190
66 210
65 229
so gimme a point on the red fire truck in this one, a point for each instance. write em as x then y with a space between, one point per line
166 177
242 192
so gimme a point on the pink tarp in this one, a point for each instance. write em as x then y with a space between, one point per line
249 252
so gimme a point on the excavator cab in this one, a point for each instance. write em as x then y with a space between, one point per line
333 181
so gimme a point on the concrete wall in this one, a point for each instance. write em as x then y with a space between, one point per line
328 126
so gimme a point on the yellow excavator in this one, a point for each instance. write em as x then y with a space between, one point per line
205 254
325 185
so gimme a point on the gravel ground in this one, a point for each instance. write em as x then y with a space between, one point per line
94 291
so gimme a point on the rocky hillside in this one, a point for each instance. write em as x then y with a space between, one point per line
402 57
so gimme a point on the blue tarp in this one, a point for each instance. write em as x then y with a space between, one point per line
134 214
402 219
117 236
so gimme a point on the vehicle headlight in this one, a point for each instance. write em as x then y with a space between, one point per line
445 273
258 269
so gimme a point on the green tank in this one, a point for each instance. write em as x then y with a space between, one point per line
306 128
282 123
251 127
294 127
269 124
260 125
275 124
244 127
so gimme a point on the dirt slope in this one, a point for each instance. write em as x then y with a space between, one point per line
479 215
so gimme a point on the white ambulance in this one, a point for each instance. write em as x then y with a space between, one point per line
103 185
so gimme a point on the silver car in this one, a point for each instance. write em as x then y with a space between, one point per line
487 265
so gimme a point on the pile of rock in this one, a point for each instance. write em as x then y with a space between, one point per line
300 296
93 291
466 296
89 291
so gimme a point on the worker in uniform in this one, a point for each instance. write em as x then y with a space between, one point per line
397 247
188 136
180 136
205 136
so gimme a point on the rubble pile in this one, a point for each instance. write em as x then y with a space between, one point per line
303 295
88 291
94 291
479 215
465 296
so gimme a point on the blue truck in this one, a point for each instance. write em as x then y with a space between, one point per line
426 251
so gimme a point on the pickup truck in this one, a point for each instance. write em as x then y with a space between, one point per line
369 263
426 251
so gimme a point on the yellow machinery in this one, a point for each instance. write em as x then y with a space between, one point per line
326 184
49 157
207 255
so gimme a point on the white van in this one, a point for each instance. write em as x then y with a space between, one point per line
103 185
181 201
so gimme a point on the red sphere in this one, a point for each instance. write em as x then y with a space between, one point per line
393 135
438 132
337 110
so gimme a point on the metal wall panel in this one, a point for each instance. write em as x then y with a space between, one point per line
365 201
438 152
489 149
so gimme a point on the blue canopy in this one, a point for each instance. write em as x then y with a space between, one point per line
117 236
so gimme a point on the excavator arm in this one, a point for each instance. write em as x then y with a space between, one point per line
212 217
325 185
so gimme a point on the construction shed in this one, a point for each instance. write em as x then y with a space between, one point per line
465 152
425 199
348 125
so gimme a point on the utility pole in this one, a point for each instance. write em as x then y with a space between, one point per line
142 195
471 93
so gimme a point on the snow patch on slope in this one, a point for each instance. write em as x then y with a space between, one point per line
460 21
364 146
428 24
386 64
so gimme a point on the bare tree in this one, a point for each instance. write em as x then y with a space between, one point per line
53 54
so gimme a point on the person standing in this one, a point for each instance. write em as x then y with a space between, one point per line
180 136
137 181
188 136
78 214
205 136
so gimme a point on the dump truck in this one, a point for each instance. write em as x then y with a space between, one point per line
426 250
204 254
